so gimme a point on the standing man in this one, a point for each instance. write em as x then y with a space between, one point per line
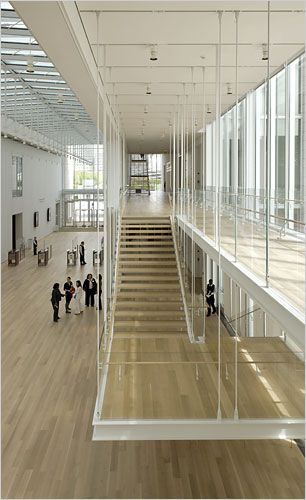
82 253
90 289
210 297
35 246
56 297
68 294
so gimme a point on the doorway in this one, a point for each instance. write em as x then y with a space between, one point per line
17 231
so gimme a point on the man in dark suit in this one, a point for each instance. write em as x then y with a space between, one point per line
210 297
68 294
82 253
35 246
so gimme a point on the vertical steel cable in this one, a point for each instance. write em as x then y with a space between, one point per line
203 197
218 164
268 148
98 195
236 212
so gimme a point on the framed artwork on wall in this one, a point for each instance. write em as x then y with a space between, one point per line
48 214
36 219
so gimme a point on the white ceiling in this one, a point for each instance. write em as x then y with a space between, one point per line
185 34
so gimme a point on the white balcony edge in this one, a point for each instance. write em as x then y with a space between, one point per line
197 429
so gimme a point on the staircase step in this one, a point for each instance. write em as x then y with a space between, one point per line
150 315
149 326
149 221
149 335
146 237
150 286
145 256
150 296
147 271
151 249
126 230
146 278
153 243
142 265
146 227
139 305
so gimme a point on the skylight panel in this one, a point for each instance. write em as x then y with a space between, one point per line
6 6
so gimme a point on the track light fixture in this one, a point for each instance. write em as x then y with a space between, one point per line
153 53
229 89
30 65
265 55
148 91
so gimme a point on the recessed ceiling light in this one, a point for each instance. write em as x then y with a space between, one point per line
208 109
153 55
229 89
202 57
30 65
148 91
265 52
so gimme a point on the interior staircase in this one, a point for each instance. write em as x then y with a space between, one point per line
149 300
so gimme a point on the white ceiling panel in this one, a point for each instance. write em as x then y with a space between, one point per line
185 35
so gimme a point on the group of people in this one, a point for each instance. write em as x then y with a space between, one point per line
75 295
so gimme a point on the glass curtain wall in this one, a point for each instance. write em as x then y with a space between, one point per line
243 218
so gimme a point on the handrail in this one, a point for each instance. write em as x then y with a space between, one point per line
212 190
188 322
118 239
258 212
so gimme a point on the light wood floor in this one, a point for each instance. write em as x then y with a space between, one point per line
48 397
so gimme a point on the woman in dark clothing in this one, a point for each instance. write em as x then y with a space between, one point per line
90 289
100 292
55 299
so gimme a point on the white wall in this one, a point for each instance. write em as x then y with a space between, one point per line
42 183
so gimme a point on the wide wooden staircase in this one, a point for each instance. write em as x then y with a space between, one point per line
149 300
